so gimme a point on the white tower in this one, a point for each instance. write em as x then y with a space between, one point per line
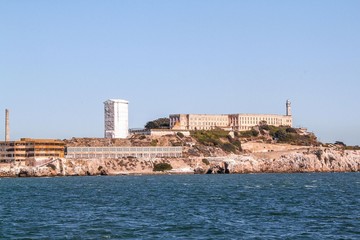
116 118
288 108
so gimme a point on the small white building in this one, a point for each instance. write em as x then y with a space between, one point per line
116 118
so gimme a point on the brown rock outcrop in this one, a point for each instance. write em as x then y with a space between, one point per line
291 162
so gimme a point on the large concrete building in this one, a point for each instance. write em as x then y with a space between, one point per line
31 149
236 122
116 118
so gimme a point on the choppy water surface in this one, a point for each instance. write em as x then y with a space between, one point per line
255 206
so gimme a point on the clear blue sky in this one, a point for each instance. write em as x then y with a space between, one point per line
60 60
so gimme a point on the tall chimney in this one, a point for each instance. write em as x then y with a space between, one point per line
7 126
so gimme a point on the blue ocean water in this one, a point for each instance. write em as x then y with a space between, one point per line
248 206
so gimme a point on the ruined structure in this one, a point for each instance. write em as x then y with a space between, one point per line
31 149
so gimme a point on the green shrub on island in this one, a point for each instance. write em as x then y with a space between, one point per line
346 147
154 143
161 167
286 134
217 138
204 160
237 144
158 123
176 144
281 134
228 147
356 147
180 134
264 126
210 137
249 133
52 166
291 130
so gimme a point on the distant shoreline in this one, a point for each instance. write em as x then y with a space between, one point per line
169 174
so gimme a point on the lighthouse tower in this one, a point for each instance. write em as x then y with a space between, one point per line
288 108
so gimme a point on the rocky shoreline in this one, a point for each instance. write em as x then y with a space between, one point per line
304 160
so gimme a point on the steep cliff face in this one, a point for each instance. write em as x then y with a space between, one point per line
290 161
327 161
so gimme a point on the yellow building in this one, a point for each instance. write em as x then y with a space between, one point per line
236 122
27 148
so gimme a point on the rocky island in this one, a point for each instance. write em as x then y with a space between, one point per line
264 149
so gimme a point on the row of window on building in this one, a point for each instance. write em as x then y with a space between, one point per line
11 149
113 155
30 155
209 123
122 149
120 152
243 120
